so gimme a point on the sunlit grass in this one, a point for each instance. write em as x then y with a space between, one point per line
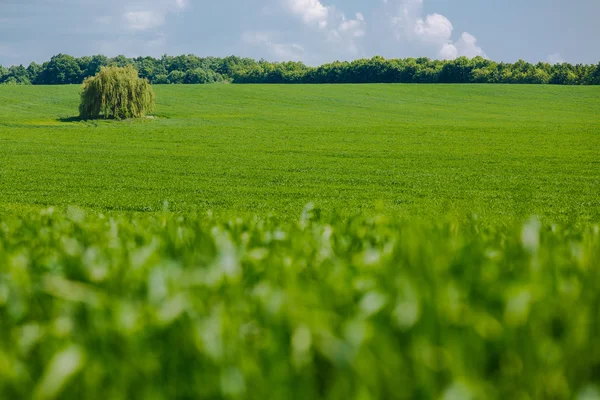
450 248
500 152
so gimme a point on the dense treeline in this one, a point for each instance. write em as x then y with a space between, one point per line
190 69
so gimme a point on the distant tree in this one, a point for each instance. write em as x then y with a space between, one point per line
482 75
10 80
544 66
62 69
212 63
176 77
15 75
149 68
196 70
83 63
480 62
562 74
116 93
427 75
200 75
457 71
538 76
232 65
121 61
504 74
94 65
33 72
184 63
252 74
588 75
3 73
408 70
162 79
594 77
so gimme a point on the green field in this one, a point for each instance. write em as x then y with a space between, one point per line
302 242
191 307
491 150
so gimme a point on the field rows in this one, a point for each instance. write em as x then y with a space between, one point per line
495 151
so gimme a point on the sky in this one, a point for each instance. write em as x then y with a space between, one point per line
312 31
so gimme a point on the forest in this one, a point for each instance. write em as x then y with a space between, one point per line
191 69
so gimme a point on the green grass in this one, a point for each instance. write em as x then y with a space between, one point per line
496 151
189 307
175 258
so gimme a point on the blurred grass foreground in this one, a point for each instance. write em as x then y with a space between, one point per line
167 306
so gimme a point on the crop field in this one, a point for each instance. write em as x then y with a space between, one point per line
298 242
496 151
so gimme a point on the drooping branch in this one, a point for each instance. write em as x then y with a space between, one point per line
116 93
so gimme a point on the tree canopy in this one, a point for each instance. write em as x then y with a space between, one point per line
190 69
116 92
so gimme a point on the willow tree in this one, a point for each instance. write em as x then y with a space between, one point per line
116 93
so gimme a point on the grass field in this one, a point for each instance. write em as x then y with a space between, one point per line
298 242
155 307
492 150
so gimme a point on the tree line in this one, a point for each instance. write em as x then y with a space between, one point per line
190 69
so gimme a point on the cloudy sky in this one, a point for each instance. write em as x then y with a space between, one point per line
313 31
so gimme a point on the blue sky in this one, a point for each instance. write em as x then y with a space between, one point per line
313 31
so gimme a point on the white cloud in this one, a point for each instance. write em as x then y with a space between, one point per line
279 51
448 52
136 27
435 28
467 46
181 4
311 11
151 14
344 39
353 27
433 31
339 32
404 16
143 20
555 58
